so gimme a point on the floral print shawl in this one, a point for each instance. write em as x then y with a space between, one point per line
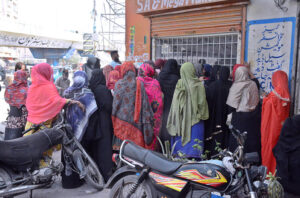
132 115
155 98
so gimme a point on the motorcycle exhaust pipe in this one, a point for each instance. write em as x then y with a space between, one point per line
18 190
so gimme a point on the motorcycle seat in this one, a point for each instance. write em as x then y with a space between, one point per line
24 152
154 160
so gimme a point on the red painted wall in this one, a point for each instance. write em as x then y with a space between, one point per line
137 34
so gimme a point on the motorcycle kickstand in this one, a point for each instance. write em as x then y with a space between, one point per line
140 179
30 193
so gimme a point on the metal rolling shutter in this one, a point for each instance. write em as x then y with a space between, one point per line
226 19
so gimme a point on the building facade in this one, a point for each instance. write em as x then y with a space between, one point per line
223 32
9 9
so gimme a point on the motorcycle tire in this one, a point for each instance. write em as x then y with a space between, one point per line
93 176
125 184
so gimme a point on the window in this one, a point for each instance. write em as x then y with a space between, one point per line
221 49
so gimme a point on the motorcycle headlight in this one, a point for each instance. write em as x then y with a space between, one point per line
263 172
258 172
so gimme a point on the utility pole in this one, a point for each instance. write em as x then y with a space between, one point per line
94 27
94 15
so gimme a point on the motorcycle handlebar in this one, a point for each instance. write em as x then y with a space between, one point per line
240 137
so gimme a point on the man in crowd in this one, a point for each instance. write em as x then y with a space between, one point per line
115 59
63 82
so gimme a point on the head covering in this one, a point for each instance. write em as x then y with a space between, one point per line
43 101
199 67
243 95
80 80
275 110
169 73
224 73
93 63
215 72
155 97
16 93
160 63
106 70
235 67
281 85
79 91
98 78
113 77
118 68
132 115
189 104
207 69
126 67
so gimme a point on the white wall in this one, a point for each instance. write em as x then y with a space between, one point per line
266 9
272 39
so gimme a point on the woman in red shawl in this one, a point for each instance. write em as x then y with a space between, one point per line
275 110
106 70
43 100
15 95
155 97
113 77
132 115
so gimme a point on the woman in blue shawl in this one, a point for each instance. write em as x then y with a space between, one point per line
82 122
79 91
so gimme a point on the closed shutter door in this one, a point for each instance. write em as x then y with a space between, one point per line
227 19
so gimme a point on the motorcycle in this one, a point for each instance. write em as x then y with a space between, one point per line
19 160
149 174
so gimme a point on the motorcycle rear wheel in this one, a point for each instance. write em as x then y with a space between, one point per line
125 184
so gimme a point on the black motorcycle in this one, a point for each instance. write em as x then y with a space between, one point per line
19 160
150 174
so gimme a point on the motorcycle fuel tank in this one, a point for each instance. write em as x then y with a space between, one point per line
207 174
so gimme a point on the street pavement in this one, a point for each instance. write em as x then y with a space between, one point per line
56 189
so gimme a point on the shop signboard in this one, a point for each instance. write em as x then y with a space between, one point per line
144 6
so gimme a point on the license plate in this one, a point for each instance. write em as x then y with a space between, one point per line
218 195
215 196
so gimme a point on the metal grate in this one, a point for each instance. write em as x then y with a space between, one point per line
221 49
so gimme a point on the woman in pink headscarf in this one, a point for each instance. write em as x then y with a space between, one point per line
43 101
155 97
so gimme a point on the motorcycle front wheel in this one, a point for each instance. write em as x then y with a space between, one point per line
92 175
122 188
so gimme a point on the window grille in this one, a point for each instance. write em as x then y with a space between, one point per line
220 49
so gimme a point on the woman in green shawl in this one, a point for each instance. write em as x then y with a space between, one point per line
188 110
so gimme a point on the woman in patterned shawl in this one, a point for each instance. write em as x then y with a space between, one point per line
15 96
155 97
132 115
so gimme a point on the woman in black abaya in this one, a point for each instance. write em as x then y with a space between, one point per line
100 145
168 78
287 152
216 129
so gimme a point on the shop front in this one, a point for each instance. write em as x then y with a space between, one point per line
190 30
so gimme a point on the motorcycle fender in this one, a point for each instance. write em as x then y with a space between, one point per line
121 172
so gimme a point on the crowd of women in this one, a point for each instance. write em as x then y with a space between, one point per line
183 105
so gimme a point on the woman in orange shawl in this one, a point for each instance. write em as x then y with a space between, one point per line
275 110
